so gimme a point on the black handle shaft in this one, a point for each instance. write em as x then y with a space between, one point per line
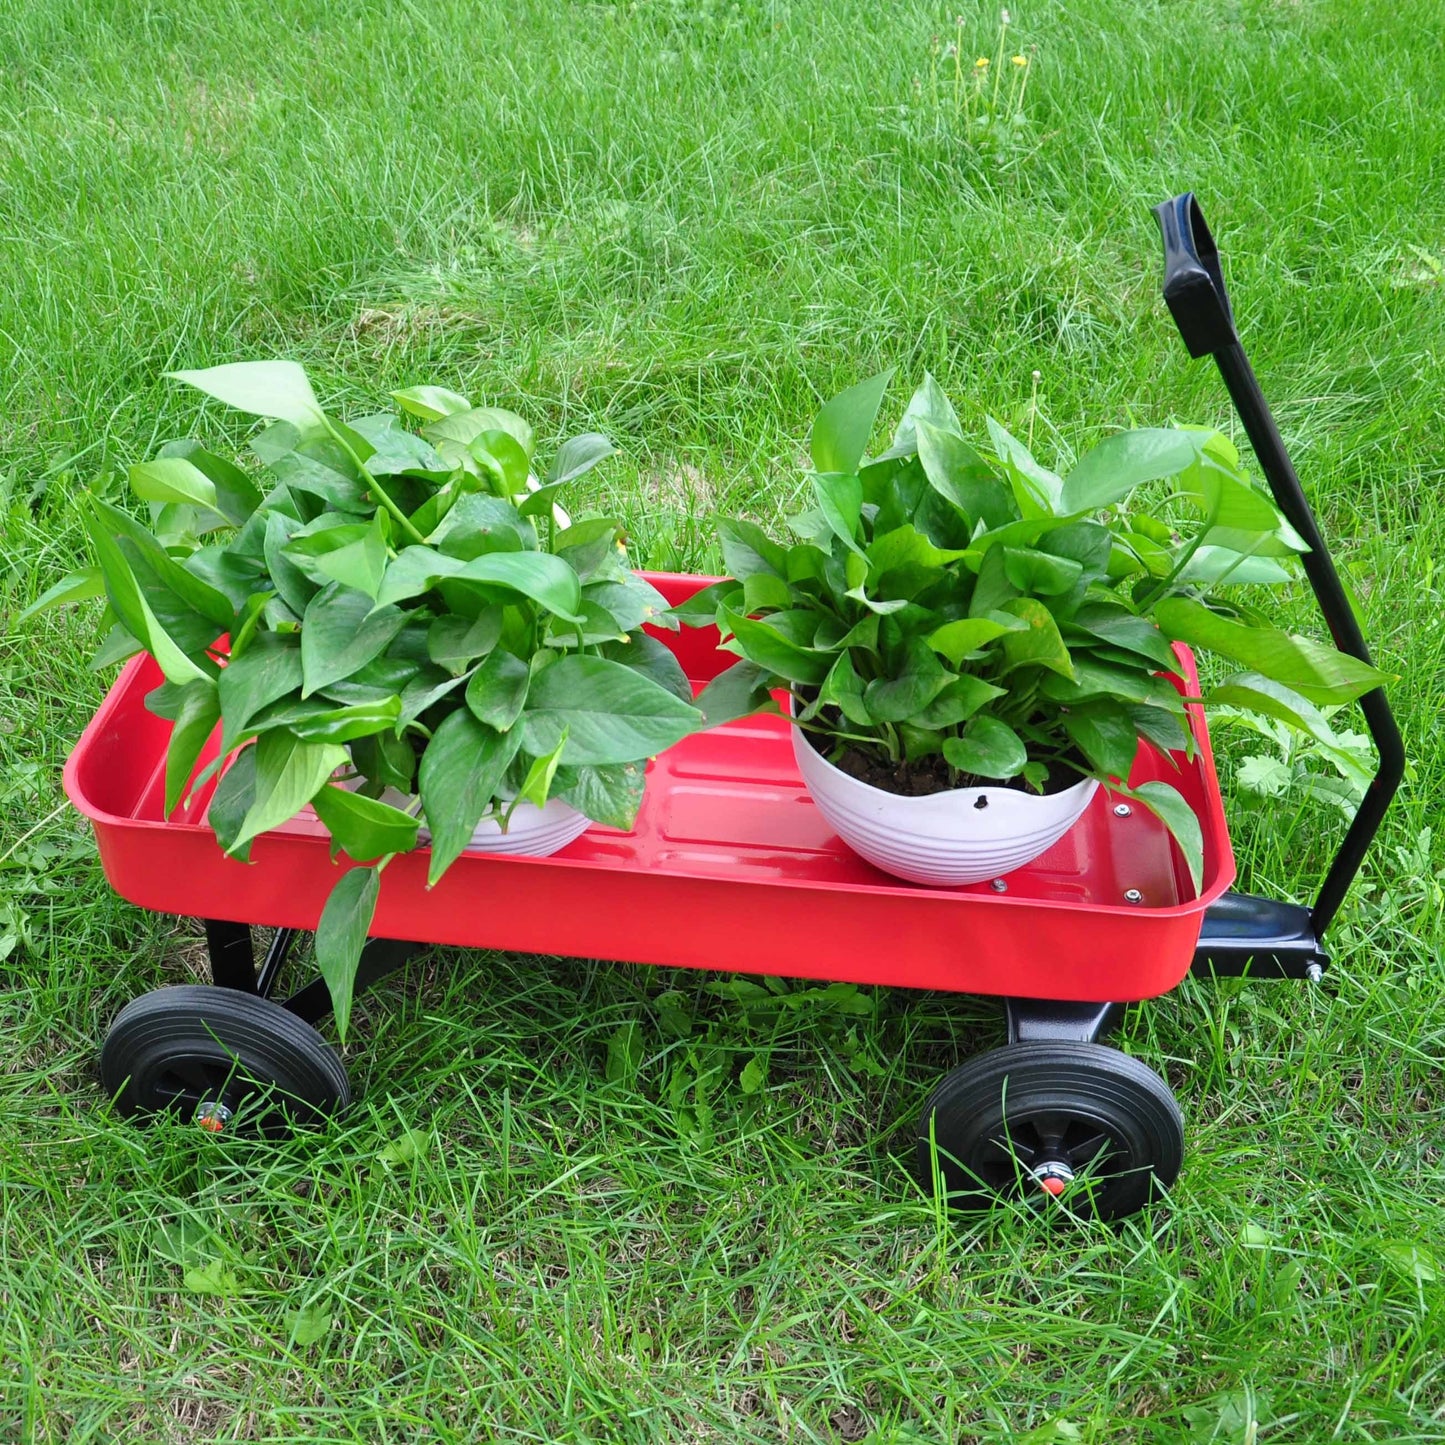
1195 294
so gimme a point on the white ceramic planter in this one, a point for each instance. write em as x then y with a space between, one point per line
945 839
532 833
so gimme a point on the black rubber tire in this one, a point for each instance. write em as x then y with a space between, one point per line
172 1050
1110 1117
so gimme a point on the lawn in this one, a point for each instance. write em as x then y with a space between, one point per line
685 223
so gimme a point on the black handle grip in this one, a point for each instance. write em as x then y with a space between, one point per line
1193 283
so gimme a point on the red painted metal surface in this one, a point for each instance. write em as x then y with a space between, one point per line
728 867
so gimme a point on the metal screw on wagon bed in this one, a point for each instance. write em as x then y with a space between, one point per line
1133 895
1123 810
999 886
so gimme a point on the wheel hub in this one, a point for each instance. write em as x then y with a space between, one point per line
1053 1175
212 1115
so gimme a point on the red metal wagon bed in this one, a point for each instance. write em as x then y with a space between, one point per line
729 861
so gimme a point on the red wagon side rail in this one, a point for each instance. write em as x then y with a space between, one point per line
729 866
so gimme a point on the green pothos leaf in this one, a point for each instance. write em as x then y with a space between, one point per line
578 455
652 659
366 828
74 587
840 434
131 607
232 801
289 773
537 784
264 388
611 713
736 692
1318 673
430 403
989 748
1107 737
461 770
609 794
341 935
200 711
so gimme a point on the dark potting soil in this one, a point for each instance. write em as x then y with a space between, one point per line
923 776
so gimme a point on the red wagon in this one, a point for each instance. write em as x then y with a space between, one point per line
728 860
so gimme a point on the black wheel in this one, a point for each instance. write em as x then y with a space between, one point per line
202 1052
1082 1123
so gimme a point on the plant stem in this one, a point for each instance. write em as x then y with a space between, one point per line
248 629
1021 703
400 517
1184 560
1239 560
816 727
890 741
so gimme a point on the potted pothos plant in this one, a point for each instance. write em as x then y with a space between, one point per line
397 628
970 645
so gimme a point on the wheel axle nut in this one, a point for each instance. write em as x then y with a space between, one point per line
212 1116
1053 1177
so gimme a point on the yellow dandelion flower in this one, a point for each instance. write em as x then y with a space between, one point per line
981 63
1021 60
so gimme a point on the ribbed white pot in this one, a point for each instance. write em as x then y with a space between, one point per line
533 832
946 839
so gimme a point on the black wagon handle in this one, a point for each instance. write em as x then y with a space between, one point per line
1195 293
1193 282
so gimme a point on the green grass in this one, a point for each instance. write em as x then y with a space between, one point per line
686 224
